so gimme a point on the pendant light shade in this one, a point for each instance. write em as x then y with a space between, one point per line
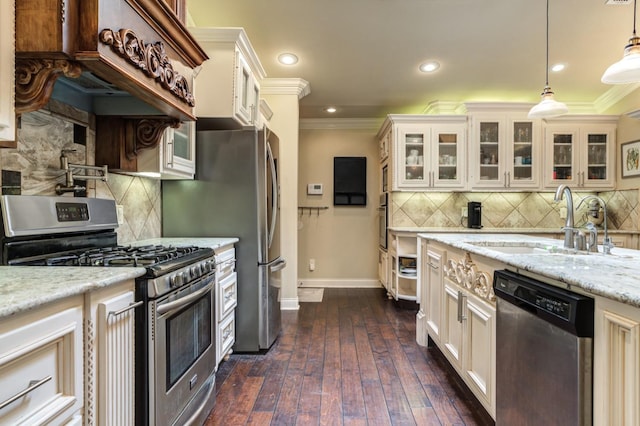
548 106
626 70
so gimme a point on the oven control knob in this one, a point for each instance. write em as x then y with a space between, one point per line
195 271
173 281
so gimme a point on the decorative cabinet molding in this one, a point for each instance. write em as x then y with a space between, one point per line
152 58
465 273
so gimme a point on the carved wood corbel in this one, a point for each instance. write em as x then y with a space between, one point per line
148 132
35 79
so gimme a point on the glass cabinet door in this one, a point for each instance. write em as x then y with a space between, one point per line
522 153
597 154
448 154
412 157
561 157
489 151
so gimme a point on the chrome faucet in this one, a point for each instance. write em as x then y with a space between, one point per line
563 190
606 242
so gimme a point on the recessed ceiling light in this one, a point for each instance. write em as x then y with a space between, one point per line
558 67
430 66
330 110
288 59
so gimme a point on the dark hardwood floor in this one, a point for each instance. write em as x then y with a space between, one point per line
350 360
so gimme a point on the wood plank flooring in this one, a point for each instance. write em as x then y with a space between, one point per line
350 360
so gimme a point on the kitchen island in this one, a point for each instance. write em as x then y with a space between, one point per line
458 309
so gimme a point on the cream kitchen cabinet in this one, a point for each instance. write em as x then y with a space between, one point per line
109 354
427 152
432 260
458 313
403 269
616 382
383 268
504 150
41 375
228 86
174 157
7 75
580 152
226 300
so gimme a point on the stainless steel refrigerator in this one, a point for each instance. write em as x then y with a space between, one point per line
235 194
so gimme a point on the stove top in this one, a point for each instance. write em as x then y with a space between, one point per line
156 258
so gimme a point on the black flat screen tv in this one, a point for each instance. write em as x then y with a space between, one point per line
349 181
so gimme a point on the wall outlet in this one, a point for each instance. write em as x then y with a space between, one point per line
464 212
563 212
120 213
312 264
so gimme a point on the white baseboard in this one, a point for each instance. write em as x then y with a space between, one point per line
335 283
289 304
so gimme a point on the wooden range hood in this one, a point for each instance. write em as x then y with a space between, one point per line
140 46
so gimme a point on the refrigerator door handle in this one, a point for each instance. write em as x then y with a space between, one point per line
276 266
274 198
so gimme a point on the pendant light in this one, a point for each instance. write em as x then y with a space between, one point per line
548 106
626 70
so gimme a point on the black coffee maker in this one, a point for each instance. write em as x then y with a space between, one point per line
474 213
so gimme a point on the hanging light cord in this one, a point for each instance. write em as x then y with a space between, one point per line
547 67
634 17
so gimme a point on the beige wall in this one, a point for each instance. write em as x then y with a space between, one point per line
628 130
343 240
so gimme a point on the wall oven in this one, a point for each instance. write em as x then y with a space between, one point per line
383 220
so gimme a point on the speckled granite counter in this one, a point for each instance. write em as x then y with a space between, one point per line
190 241
497 230
613 276
26 287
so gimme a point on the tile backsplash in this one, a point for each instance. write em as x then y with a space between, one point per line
506 209
43 134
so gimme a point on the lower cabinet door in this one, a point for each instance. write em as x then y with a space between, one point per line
479 356
451 336
41 375
226 337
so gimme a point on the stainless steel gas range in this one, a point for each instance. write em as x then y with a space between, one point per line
175 320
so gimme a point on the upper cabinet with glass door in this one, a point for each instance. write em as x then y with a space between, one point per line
228 86
580 152
428 151
504 153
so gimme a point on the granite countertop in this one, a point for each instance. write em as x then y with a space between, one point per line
613 276
213 243
27 287
499 230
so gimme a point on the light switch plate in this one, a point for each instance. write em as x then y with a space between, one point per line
120 213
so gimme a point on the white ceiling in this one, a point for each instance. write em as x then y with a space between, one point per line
362 56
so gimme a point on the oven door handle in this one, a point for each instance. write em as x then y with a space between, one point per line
164 308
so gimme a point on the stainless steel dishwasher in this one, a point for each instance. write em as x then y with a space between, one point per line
544 352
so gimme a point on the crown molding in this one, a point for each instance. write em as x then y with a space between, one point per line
230 35
285 86
614 95
340 124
